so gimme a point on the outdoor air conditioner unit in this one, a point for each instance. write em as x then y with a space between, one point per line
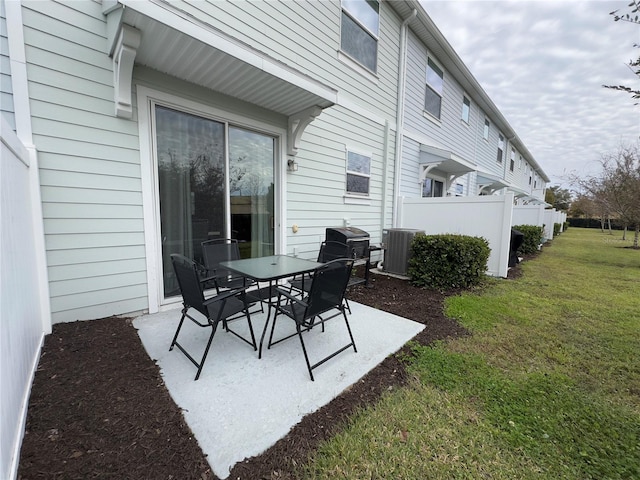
398 249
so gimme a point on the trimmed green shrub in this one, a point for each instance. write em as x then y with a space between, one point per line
448 261
556 229
532 238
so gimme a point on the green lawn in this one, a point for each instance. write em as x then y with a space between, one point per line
547 387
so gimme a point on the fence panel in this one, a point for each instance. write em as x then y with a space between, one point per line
528 215
20 317
487 216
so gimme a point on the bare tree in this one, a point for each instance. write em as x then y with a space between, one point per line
621 179
634 65
616 191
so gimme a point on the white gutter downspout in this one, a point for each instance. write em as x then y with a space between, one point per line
402 69
22 115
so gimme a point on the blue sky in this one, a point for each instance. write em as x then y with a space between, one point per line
543 63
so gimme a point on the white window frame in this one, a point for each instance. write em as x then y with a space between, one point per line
466 102
500 153
376 36
512 160
348 172
486 129
432 87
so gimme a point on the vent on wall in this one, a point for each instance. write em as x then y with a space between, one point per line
398 249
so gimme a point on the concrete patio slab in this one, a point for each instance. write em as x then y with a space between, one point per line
241 405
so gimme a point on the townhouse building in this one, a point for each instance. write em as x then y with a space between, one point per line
141 128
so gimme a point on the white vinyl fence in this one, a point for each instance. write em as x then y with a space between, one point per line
21 327
552 216
539 216
528 215
483 216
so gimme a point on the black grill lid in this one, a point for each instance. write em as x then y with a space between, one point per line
346 233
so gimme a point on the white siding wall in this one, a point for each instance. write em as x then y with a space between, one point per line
89 165
306 35
6 92
487 150
310 41
316 192
90 160
450 132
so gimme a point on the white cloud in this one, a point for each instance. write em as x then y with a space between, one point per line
543 63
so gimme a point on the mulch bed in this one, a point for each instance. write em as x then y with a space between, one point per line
99 407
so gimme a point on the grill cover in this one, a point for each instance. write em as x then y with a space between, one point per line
517 239
356 238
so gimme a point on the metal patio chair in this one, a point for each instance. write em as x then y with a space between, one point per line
329 250
326 293
216 309
225 249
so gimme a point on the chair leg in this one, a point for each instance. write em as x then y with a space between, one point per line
344 314
175 337
304 350
273 328
346 301
206 350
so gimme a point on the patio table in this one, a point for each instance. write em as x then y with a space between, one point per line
270 269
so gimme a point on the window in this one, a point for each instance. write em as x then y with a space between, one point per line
360 28
520 163
358 173
215 180
466 107
485 133
500 147
459 189
432 188
433 94
512 164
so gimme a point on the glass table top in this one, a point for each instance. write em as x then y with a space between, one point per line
270 268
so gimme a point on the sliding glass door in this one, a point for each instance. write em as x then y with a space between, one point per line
215 180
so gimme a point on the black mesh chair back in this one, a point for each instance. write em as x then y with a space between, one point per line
328 285
331 250
221 250
189 283
216 309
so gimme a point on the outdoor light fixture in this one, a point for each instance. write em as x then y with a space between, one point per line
292 165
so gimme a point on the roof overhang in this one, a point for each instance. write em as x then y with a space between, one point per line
163 37
519 193
444 162
488 184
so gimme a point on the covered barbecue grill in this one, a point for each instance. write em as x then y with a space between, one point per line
356 238
517 239
360 249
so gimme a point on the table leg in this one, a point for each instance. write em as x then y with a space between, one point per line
266 323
